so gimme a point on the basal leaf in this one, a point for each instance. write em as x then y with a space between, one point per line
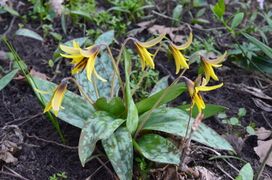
7 78
75 109
172 93
160 85
219 9
104 68
174 121
158 149
114 107
119 150
28 33
132 112
105 38
209 111
100 126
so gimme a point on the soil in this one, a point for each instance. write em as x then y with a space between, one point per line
42 153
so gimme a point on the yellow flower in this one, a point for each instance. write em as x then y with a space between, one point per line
179 58
82 59
208 66
56 99
145 56
195 88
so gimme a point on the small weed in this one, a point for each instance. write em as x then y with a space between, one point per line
59 176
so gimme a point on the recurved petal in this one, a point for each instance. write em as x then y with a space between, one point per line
69 50
90 68
187 44
219 59
152 42
211 72
76 44
58 96
71 56
98 76
90 51
209 88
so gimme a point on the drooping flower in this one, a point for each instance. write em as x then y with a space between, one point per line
145 56
208 66
56 98
82 59
179 58
194 89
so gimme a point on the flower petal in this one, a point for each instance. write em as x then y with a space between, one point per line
152 42
219 59
58 96
187 44
69 50
209 88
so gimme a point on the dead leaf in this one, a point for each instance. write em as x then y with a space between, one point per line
3 55
263 133
57 6
11 140
35 73
205 174
251 90
236 142
262 150
262 105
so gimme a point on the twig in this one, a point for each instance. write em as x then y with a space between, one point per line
106 167
51 142
260 171
24 118
221 169
100 167
13 173
267 121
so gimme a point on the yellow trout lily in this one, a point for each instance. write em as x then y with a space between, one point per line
145 56
179 58
194 89
208 66
56 99
82 59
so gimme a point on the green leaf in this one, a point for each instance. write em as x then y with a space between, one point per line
28 33
238 18
250 130
246 173
209 111
104 68
160 85
219 9
242 112
158 149
114 107
132 112
119 150
105 38
172 93
266 49
82 14
7 78
100 126
177 13
10 10
174 121
75 109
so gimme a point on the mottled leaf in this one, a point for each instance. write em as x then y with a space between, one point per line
7 78
160 85
100 126
104 68
172 93
174 121
105 38
119 150
75 109
132 112
158 149
209 111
